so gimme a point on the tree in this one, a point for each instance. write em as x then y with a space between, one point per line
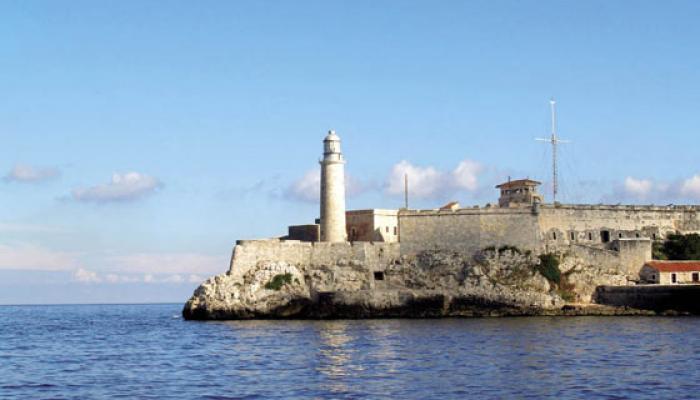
682 247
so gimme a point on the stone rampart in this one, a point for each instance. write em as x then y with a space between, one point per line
628 256
545 228
467 230
248 253
563 224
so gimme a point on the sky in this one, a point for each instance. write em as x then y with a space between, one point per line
140 140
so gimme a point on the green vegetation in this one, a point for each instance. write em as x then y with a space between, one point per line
678 247
278 281
549 267
568 295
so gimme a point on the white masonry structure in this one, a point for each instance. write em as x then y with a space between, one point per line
332 191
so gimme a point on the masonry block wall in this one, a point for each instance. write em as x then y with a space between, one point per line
467 230
593 224
248 253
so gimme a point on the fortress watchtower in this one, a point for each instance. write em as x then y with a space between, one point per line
521 192
332 191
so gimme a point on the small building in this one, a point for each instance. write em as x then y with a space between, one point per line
374 225
518 193
671 272
451 206
304 233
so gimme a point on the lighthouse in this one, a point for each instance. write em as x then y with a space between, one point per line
332 191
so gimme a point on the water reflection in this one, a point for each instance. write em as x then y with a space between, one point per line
477 358
335 356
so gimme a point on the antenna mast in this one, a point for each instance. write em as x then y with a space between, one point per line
554 140
405 190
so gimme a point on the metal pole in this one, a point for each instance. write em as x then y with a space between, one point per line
405 190
555 183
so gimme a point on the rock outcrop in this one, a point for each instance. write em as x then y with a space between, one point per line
496 282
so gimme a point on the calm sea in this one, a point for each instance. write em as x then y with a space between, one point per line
150 352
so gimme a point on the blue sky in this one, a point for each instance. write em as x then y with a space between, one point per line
141 139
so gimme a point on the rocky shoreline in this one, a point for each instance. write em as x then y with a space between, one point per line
335 306
433 284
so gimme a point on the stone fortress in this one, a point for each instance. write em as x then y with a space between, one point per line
449 261
617 233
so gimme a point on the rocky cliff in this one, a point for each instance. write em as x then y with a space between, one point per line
493 282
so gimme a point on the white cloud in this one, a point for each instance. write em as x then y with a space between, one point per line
29 174
167 263
122 187
639 188
119 278
33 257
465 176
195 279
174 279
308 187
691 187
429 182
85 276
658 191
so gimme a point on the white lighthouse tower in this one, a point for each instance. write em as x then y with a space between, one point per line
332 191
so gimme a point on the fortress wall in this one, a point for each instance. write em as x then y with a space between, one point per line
629 256
248 253
467 230
587 221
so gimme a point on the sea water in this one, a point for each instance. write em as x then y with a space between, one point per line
150 352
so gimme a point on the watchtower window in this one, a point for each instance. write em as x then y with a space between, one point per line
378 275
605 236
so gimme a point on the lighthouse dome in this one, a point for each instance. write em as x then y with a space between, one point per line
331 136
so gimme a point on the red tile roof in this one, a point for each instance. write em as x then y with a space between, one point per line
674 266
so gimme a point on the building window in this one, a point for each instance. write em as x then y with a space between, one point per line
696 277
653 236
396 231
590 236
378 275
572 236
619 235
637 235
653 277
387 229
673 278
605 236
554 235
